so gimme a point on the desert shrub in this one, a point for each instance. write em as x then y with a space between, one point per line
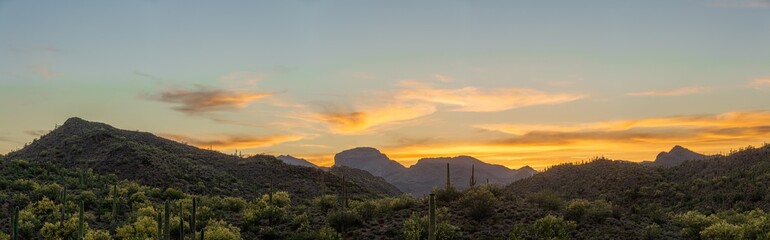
722 231
256 214
548 227
584 210
52 190
173 194
693 223
57 231
88 197
143 228
343 218
233 203
652 232
280 199
4 236
416 226
325 203
366 209
478 203
221 230
327 233
98 235
301 221
546 199
445 196
24 185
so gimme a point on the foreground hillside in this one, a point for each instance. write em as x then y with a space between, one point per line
160 162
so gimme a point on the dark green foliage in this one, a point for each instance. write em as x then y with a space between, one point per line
15 224
478 203
548 227
546 199
343 219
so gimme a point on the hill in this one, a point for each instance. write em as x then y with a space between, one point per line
428 173
288 159
676 156
160 162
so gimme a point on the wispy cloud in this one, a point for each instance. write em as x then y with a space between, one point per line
37 133
205 99
472 99
671 92
45 71
760 82
541 145
234 142
369 118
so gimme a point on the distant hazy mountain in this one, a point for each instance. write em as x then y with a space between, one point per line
428 173
676 156
288 159
369 159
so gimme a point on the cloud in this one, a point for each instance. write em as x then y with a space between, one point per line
760 82
442 77
671 92
472 99
242 79
369 118
234 142
206 99
542 145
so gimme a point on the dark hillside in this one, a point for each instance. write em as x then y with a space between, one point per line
160 162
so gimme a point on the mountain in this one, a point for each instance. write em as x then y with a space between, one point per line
364 178
370 160
288 159
676 156
428 173
160 162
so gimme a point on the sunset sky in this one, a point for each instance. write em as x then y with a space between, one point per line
510 82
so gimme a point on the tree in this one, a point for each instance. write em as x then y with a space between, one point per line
478 203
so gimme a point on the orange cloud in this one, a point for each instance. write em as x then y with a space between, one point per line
671 92
234 142
205 100
363 121
760 82
634 139
471 99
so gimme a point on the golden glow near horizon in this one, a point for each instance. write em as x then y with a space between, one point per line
509 82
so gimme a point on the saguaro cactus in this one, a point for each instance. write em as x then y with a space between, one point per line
15 224
160 225
448 182
81 221
181 222
114 202
167 221
473 179
63 206
432 217
192 217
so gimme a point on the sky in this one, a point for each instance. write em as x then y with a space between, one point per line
514 83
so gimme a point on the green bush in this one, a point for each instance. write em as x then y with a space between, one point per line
652 232
584 210
478 203
98 235
722 231
548 227
445 196
325 203
173 194
546 199
221 230
693 223
343 218
416 226
280 199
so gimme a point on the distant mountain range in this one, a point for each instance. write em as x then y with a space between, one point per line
675 157
428 173
160 162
